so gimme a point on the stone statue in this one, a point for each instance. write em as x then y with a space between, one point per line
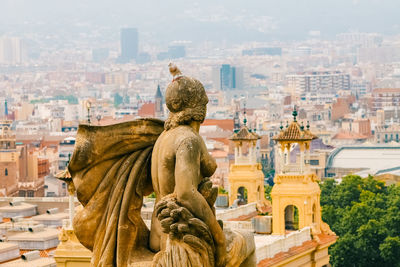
114 166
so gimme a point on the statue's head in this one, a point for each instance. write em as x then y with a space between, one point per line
186 100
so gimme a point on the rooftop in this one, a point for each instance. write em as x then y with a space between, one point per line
349 136
6 246
295 131
321 240
54 216
372 158
386 90
48 262
244 134
17 207
45 234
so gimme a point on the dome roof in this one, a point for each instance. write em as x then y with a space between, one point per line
244 134
295 132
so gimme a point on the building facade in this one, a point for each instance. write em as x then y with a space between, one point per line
13 50
129 44
318 82
9 155
246 179
228 77
385 98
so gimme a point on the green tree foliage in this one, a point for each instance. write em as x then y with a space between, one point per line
365 214
267 191
222 191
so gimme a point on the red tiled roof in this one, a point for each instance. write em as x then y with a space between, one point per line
147 110
325 239
245 217
225 141
386 90
286 255
349 135
219 154
322 239
226 124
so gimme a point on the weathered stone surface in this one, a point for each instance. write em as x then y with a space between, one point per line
113 167
190 243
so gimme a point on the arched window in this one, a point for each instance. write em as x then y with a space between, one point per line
242 195
6 172
291 218
313 213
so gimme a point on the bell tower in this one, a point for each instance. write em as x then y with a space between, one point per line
159 112
296 193
245 176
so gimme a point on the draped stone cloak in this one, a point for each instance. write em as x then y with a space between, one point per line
110 168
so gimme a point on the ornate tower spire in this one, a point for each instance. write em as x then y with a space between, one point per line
159 111
294 113
296 185
245 116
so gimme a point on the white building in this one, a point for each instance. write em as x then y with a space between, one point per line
365 159
318 82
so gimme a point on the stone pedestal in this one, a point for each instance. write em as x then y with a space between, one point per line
70 252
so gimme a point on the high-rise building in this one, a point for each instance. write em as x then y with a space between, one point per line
129 44
176 51
13 50
385 98
5 108
228 78
319 82
360 39
3 105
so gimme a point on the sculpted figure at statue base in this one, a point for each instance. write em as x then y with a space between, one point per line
114 167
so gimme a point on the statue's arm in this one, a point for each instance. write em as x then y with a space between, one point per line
207 162
187 177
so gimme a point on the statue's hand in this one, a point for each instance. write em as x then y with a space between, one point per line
180 224
208 191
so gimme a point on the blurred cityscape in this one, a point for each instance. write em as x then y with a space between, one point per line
347 89
344 88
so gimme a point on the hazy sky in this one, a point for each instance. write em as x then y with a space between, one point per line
229 20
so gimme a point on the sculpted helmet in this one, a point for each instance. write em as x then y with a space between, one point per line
186 100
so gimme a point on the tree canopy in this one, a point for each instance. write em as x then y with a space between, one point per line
365 214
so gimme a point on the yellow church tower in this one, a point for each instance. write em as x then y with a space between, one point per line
296 193
245 174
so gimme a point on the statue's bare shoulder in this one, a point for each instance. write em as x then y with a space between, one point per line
182 139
